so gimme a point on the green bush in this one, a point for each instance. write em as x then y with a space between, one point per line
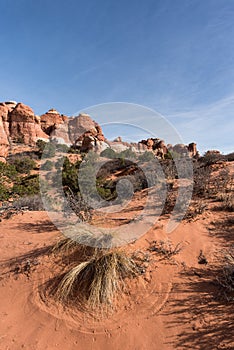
146 156
48 165
8 175
172 155
70 175
49 150
105 193
62 148
59 163
5 192
210 158
109 153
27 186
23 164
41 145
127 154
7 171
230 157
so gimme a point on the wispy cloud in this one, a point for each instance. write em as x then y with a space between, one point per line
210 125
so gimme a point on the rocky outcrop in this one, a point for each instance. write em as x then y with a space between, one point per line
24 127
4 142
118 139
192 148
18 123
155 145
60 134
185 150
50 120
80 125
160 149
85 133
4 110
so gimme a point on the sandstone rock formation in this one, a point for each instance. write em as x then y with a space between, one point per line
4 143
155 145
23 126
51 119
18 123
86 134
78 126
118 139
192 148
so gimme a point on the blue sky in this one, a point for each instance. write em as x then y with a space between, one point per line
174 56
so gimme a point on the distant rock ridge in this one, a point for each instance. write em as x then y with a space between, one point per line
19 124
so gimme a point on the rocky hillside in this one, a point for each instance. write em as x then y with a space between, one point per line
20 125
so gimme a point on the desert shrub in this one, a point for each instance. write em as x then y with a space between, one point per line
201 180
73 150
230 157
27 186
210 158
48 165
49 150
8 171
105 193
226 278
173 155
33 202
106 188
41 145
146 156
20 139
165 248
109 153
5 192
23 164
169 169
8 175
76 204
59 163
62 148
127 154
70 175
195 209
228 200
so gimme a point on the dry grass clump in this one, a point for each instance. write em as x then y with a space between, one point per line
228 201
226 278
165 248
96 280
195 209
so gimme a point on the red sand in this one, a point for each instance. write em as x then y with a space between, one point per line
172 306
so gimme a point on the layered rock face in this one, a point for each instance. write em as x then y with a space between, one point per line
24 126
86 133
55 126
19 124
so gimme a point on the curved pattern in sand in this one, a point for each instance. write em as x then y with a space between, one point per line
142 300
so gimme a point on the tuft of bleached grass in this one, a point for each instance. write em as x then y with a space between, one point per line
97 280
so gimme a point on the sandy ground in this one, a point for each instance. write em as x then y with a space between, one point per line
174 305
